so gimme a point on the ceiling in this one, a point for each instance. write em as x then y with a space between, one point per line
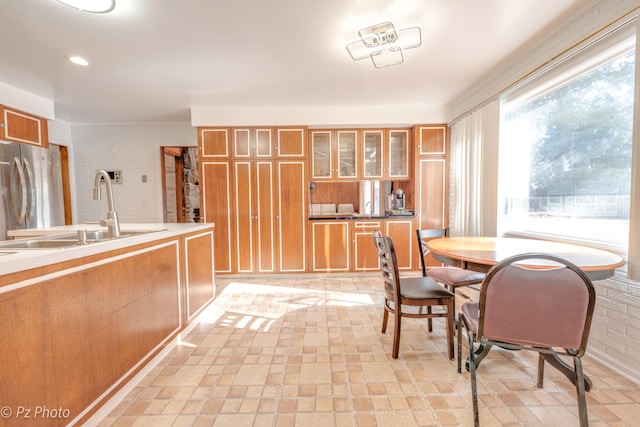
152 60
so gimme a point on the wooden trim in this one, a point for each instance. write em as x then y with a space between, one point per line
66 185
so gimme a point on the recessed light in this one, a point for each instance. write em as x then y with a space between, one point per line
95 6
78 60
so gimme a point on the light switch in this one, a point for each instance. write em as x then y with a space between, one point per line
144 178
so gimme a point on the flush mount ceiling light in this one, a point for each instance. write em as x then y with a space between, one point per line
384 44
95 6
78 60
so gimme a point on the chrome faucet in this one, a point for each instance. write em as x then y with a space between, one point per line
112 223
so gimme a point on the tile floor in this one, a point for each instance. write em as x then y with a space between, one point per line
308 351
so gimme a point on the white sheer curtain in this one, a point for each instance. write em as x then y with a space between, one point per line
474 172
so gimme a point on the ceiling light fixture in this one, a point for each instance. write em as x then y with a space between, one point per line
95 6
384 44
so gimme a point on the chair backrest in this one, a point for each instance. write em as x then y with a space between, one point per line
423 236
526 302
388 264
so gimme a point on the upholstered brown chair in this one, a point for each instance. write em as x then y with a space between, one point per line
400 293
525 306
450 277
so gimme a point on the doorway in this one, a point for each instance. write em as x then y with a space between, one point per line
180 181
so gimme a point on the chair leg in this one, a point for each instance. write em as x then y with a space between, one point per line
540 370
385 316
474 385
460 323
450 326
396 332
580 388
429 320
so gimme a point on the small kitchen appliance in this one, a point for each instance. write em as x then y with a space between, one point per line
399 200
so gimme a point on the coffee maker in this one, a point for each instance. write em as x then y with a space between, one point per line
399 200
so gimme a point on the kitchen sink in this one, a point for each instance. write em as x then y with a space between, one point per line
69 240
100 235
40 244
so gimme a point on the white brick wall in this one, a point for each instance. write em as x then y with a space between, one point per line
615 330
133 149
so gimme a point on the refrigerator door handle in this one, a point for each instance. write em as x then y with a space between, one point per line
30 190
18 199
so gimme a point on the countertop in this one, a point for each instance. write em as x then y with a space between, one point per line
345 216
14 260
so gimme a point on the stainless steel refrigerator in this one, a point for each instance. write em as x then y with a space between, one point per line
30 187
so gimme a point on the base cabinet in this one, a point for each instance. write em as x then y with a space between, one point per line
364 255
74 333
403 233
347 246
330 246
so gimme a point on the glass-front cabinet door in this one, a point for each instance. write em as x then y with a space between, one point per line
372 154
398 155
347 141
321 155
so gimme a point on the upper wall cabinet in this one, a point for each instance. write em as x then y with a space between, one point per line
214 143
291 142
334 154
431 139
23 127
253 143
386 154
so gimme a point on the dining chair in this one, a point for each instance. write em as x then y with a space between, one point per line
401 293
450 277
524 305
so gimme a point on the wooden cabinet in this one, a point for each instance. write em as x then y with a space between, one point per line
199 277
334 154
215 208
23 127
347 246
431 189
214 143
291 142
386 154
254 188
291 215
254 215
398 155
75 332
364 254
403 233
253 143
431 176
330 246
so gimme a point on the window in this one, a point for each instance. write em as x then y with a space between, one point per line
565 149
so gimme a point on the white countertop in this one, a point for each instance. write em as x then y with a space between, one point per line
14 260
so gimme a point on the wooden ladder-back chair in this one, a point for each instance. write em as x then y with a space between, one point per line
410 291
450 277
526 304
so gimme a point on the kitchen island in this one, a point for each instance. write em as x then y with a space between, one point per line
80 321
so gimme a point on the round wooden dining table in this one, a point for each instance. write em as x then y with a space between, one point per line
480 253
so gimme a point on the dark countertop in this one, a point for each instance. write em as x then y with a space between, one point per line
348 216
